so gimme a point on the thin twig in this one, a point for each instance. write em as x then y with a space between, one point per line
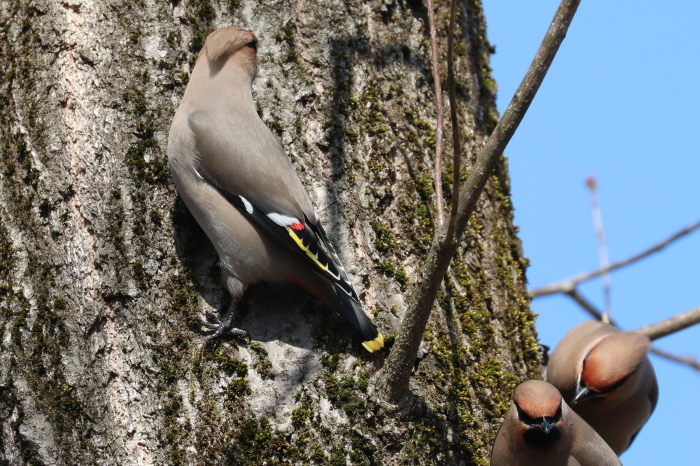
391 385
602 247
596 314
671 325
456 143
440 120
587 306
685 360
565 285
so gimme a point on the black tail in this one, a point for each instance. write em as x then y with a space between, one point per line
350 310
363 329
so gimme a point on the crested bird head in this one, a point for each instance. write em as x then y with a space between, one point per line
231 44
539 407
610 366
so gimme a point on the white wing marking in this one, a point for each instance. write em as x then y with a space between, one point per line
282 220
248 205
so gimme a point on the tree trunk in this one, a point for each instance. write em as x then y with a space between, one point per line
102 266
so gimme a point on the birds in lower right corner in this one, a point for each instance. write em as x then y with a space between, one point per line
540 429
608 379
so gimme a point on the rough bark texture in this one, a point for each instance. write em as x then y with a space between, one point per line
101 265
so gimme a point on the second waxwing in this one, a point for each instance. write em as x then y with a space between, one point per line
241 187
540 429
608 379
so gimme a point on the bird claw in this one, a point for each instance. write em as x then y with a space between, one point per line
240 334
214 325
222 329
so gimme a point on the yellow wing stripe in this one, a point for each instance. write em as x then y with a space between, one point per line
313 256
374 345
371 345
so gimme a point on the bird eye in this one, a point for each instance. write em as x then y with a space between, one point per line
618 385
524 418
253 44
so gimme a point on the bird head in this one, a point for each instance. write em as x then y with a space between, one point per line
231 44
539 407
611 366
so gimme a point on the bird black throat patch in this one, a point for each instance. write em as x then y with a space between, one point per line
537 438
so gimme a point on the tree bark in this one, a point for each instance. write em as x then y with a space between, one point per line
102 266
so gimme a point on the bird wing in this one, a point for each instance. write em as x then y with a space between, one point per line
239 154
652 396
306 239
589 448
264 187
250 169
654 391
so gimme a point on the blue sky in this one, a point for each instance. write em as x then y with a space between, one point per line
618 103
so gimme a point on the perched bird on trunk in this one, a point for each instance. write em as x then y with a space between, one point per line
607 378
540 429
235 178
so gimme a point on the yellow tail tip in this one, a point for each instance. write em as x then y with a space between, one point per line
374 345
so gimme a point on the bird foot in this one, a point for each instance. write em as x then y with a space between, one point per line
222 328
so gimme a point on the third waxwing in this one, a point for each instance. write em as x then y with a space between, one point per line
607 378
235 178
540 429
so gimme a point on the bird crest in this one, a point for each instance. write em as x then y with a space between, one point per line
227 41
613 360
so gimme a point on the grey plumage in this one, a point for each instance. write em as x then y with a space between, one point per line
608 378
235 178
540 429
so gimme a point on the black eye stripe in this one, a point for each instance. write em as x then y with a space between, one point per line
619 384
524 418
253 45
532 421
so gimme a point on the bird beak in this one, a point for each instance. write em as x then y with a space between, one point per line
583 394
546 427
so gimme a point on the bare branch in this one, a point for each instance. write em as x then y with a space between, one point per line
392 381
671 325
565 285
587 306
439 201
456 143
685 360
602 247
596 314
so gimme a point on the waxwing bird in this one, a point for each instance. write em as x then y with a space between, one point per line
540 429
607 378
235 178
